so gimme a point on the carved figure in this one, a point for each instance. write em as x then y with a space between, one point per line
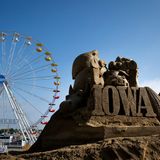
122 72
116 78
73 101
87 70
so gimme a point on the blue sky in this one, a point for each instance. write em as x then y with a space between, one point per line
129 28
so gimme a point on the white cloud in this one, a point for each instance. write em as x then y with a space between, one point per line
154 84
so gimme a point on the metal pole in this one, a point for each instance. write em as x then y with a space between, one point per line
24 119
15 113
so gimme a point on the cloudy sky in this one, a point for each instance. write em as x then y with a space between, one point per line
129 28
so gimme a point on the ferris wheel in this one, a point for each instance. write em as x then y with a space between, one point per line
29 82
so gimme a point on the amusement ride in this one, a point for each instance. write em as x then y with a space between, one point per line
29 83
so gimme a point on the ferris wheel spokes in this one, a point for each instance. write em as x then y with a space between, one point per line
22 68
31 94
35 78
29 102
21 52
2 40
38 69
12 51
37 86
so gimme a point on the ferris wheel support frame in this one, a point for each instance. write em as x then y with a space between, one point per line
19 114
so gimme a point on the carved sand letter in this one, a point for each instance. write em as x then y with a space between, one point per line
97 99
111 100
144 103
128 100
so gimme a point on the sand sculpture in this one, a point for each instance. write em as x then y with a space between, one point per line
104 102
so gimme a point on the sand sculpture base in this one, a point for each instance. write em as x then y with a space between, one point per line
90 124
